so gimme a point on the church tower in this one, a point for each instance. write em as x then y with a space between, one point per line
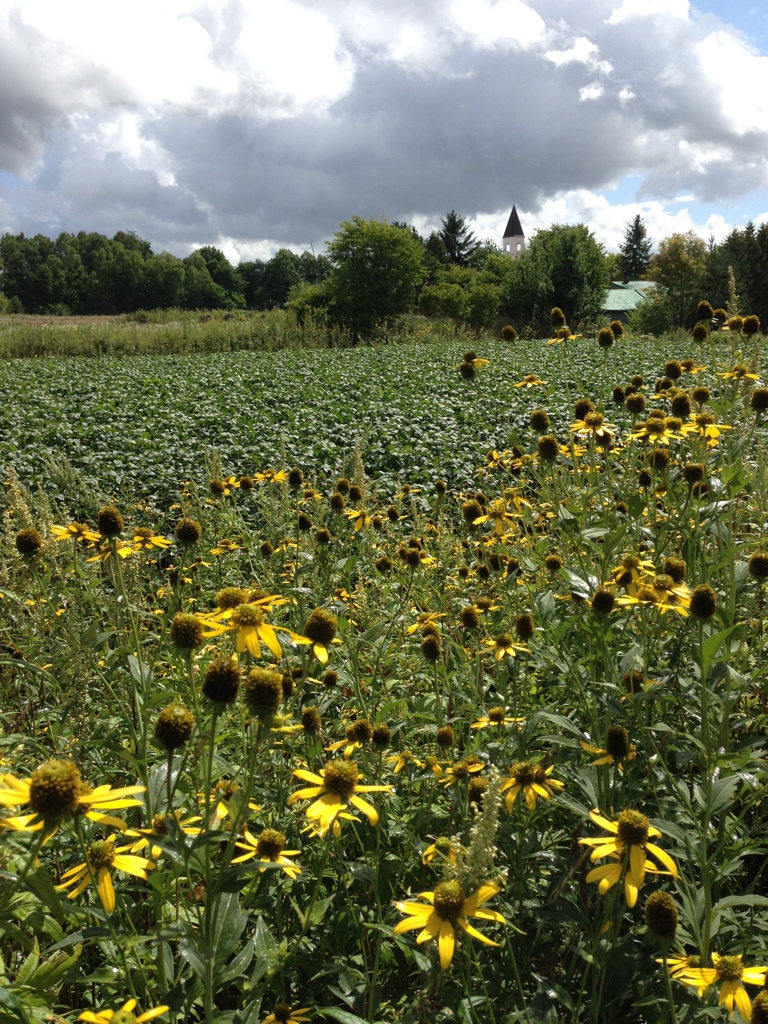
514 237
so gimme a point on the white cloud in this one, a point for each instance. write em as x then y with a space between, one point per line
649 8
581 51
593 91
608 220
739 75
508 22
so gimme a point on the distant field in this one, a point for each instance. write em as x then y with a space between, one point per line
138 426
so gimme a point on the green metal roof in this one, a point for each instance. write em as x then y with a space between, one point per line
625 297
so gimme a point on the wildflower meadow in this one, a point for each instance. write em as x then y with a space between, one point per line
416 682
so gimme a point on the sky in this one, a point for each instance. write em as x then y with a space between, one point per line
253 125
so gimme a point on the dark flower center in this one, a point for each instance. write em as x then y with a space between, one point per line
340 778
270 844
54 790
101 854
729 968
248 615
449 900
524 773
633 828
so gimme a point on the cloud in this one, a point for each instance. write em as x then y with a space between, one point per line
256 125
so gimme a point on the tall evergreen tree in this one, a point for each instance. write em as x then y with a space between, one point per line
635 250
459 241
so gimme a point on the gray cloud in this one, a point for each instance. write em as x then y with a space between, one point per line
474 127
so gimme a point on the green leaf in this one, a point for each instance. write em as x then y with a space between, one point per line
230 922
41 884
343 1016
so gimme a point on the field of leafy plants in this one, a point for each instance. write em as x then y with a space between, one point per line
403 683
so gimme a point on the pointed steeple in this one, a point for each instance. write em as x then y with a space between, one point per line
514 227
514 236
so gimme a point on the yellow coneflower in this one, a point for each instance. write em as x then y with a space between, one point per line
284 1013
496 717
533 781
446 906
732 974
530 381
102 857
55 791
125 1014
628 847
269 846
335 787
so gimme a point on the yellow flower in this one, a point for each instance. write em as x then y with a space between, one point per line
125 1014
628 851
335 787
268 847
220 797
461 770
444 848
503 646
593 426
160 828
730 971
56 791
532 780
285 1014
708 430
145 540
271 476
496 459
496 717
738 372
652 597
102 856
654 429
423 619
251 629
402 759
76 532
617 748
123 548
358 517
530 381
447 906
226 547
499 514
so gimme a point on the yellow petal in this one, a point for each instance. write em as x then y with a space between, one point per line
106 890
445 944
368 809
268 635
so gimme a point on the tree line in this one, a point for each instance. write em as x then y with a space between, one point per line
372 272
88 273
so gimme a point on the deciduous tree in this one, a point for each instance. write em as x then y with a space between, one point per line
376 269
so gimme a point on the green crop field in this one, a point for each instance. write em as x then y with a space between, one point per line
400 683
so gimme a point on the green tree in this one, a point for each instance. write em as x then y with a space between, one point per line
163 281
635 251
563 266
680 267
281 273
376 269
459 241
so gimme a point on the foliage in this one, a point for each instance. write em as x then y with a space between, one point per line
635 251
376 268
679 267
460 243
560 623
89 273
564 266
